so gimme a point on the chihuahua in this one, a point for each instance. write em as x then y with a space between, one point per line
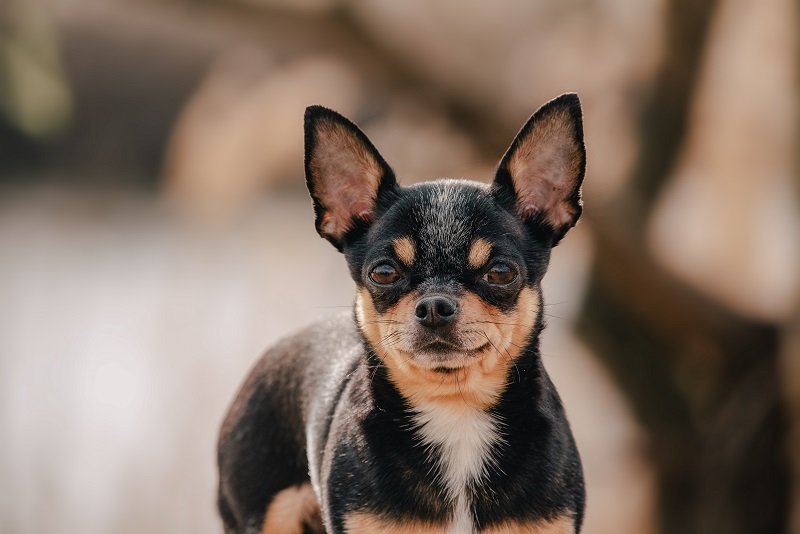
427 409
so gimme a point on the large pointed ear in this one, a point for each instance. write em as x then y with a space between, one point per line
345 174
541 173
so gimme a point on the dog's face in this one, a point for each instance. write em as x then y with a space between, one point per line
448 272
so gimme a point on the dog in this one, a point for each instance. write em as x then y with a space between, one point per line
427 409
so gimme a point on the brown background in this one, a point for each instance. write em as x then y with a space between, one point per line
155 235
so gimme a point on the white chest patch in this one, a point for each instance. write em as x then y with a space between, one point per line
464 436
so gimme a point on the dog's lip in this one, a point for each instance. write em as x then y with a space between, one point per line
445 348
440 346
449 360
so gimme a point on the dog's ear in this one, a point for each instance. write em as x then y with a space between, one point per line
541 173
345 174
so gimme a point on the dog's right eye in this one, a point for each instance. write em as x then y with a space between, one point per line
384 275
501 274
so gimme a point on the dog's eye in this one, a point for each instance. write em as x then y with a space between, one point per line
500 274
384 275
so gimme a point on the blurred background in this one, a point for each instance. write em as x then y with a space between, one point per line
156 235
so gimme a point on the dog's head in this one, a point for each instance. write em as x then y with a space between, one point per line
448 272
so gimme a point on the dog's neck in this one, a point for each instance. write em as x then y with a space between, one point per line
462 440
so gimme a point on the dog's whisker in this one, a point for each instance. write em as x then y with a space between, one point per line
460 391
507 355
390 335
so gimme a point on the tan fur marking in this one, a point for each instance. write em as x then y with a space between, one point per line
363 523
560 525
370 523
405 250
543 168
290 509
346 177
479 253
483 377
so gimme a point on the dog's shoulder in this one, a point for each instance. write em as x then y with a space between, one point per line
296 364
307 353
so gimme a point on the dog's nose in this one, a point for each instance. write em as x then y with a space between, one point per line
435 311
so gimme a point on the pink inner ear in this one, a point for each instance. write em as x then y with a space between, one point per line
545 168
337 221
346 179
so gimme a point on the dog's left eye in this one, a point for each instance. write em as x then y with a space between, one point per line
500 274
384 274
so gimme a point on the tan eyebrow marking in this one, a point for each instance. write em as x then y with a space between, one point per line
479 253
405 250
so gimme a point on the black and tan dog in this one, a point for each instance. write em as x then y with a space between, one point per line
428 410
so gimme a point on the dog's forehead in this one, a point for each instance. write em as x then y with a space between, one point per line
443 218
446 218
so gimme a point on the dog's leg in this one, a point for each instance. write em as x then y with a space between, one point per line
294 510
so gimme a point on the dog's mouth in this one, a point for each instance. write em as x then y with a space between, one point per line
440 346
447 357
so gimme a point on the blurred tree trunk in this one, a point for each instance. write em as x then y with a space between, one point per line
705 384
703 380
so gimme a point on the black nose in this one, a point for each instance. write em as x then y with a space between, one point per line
435 311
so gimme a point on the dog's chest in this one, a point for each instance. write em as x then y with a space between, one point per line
460 440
